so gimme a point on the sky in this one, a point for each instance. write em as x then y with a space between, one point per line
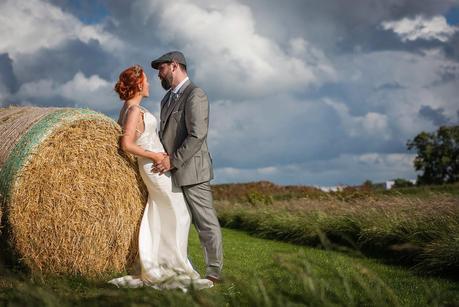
301 92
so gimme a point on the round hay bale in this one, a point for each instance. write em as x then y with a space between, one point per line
1 217
72 201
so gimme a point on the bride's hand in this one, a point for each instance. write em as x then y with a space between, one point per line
158 157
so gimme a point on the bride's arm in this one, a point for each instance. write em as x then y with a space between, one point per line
128 138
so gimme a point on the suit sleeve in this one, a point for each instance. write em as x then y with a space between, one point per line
197 124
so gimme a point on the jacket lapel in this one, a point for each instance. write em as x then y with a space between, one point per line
174 104
163 112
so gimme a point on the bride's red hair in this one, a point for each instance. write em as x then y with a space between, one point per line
129 81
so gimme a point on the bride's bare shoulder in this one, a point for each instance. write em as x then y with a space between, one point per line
126 112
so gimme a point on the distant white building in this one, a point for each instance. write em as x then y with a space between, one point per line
389 184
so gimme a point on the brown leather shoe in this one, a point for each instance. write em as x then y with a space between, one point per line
215 280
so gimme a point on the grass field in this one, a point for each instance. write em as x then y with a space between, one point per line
418 227
253 191
258 273
277 262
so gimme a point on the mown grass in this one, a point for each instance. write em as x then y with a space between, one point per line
419 228
258 273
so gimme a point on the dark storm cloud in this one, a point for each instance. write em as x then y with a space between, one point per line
7 77
437 116
88 11
62 62
452 49
447 75
128 22
346 26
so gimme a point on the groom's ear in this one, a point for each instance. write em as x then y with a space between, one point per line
174 65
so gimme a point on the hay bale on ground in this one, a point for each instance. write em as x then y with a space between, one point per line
72 201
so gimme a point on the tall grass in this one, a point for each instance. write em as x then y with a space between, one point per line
423 232
265 189
258 273
295 280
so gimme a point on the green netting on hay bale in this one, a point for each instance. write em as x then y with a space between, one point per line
28 141
72 201
14 122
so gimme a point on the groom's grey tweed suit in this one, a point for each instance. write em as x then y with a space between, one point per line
183 132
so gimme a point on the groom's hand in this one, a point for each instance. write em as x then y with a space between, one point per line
163 166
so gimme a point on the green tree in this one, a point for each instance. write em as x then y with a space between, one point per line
437 155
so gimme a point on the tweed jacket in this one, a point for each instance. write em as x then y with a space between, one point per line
183 133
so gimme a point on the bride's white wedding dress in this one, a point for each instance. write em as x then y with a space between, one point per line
163 236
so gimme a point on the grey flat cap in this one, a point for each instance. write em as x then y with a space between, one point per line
173 56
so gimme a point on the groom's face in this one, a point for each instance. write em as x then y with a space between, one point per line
165 75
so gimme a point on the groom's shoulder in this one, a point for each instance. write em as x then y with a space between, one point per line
197 91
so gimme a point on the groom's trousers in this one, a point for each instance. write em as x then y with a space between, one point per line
204 217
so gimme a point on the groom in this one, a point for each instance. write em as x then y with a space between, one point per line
183 132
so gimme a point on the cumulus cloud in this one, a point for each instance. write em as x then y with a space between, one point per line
87 90
397 84
27 26
372 124
420 27
229 53
92 91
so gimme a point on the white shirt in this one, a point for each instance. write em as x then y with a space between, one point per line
175 90
179 86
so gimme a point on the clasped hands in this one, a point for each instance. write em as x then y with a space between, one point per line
162 164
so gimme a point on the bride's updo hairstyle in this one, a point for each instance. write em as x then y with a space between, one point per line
129 81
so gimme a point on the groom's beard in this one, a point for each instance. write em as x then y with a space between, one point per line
166 82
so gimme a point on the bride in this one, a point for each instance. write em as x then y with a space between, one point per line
163 236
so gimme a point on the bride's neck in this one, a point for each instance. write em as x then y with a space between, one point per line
135 100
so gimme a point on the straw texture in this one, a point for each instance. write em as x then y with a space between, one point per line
14 122
72 201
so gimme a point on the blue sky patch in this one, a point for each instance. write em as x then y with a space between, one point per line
452 16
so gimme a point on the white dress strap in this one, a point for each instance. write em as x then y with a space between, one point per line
142 110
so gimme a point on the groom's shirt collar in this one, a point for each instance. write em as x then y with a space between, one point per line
179 86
